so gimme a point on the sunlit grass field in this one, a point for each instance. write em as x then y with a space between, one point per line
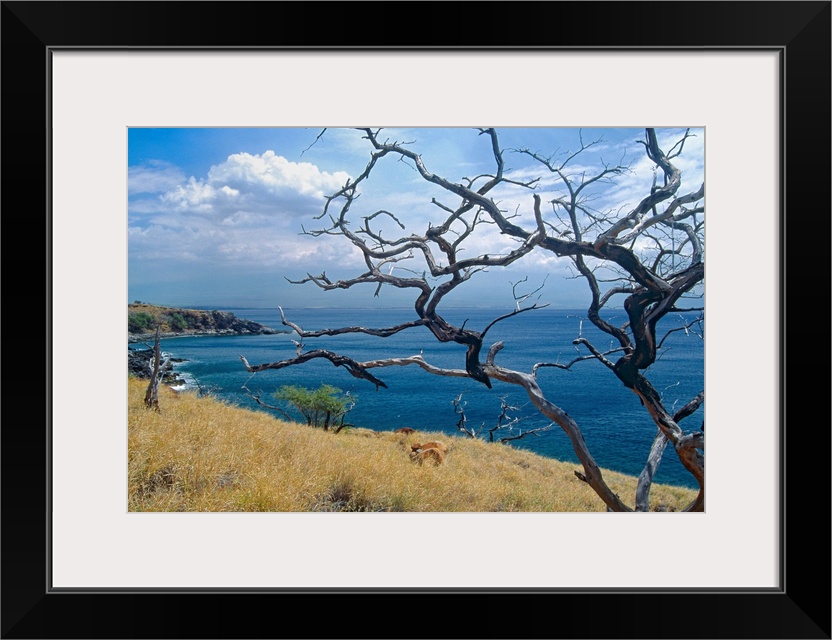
201 454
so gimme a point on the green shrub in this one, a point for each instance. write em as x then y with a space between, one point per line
177 322
325 407
139 322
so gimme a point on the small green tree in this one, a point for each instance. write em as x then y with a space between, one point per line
325 407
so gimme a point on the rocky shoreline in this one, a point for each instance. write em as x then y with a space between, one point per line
140 365
143 318
148 338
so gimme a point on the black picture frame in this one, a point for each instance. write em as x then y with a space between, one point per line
800 608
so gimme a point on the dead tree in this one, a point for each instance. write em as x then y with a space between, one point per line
151 396
502 424
650 254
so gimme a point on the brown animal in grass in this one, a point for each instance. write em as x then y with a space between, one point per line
430 452
428 456
405 430
433 444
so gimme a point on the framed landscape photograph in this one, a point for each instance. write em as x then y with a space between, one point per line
398 281
420 319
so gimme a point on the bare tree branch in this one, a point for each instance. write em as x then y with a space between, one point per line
645 480
256 398
356 369
318 137
381 333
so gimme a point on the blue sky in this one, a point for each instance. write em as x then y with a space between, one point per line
215 215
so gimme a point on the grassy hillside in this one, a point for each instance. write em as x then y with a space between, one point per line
200 454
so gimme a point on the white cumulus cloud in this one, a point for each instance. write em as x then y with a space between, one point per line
248 208
265 183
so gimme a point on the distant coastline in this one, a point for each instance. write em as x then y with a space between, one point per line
174 322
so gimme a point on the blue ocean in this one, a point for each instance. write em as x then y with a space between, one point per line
616 427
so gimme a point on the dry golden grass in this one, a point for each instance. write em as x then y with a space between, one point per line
200 454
